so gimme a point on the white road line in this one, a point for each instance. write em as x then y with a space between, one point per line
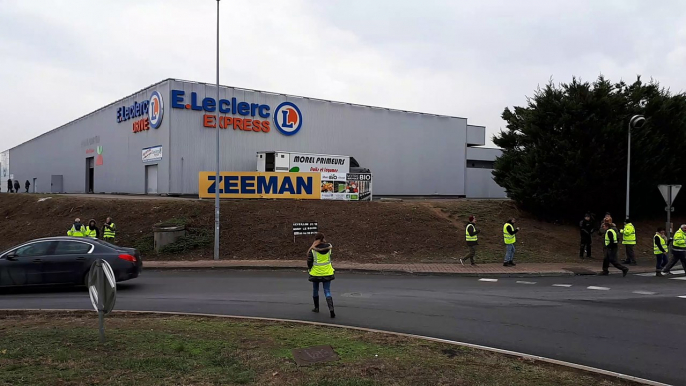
592 287
680 271
647 274
678 278
683 297
562 285
490 280
644 292
526 282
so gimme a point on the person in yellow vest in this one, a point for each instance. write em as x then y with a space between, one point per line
509 232
92 230
77 229
660 250
678 250
321 271
629 241
611 246
109 231
472 240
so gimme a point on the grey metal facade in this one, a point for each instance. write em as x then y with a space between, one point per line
409 153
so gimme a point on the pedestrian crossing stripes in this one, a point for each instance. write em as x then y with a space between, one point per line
598 288
562 285
644 292
678 278
649 274
526 282
489 280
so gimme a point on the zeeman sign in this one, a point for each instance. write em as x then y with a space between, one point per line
303 186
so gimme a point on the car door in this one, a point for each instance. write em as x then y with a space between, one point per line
68 262
24 265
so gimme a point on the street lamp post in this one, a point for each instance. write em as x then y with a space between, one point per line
217 181
636 122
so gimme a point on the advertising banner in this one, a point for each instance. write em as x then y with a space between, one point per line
346 186
152 154
313 163
302 186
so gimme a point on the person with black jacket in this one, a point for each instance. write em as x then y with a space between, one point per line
509 232
321 271
27 185
611 243
16 186
9 186
472 240
586 228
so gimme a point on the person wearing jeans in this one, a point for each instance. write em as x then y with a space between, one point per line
321 271
660 249
509 232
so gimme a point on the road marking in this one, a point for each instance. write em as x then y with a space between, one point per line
592 287
683 297
526 282
644 292
491 280
648 274
678 278
562 285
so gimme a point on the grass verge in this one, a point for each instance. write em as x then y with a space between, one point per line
62 349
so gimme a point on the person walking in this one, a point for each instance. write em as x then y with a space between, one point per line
661 250
16 186
678 250
10 186
586 228
321 271
27 185
77 229
611 246
92 230
509 232
472 240
109 231
629 241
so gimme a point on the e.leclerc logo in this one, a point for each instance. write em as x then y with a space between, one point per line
155 110
250 117
152 110
288 118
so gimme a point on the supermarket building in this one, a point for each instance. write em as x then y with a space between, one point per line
157 140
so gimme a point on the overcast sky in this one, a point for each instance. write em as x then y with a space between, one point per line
60 60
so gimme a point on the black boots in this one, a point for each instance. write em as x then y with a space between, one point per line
316 303
329 302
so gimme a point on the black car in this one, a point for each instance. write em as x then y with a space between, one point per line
64 260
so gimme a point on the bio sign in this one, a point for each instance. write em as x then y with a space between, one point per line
146 115
304 186
240 115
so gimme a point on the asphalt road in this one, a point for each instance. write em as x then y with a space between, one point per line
631 325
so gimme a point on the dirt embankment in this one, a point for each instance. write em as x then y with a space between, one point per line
409 231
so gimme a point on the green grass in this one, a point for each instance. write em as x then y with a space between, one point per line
63 349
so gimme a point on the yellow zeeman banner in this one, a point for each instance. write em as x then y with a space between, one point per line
303 186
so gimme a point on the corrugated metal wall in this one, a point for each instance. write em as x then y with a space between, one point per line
63 151
409 154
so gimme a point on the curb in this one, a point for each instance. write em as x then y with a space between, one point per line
427 338
373 271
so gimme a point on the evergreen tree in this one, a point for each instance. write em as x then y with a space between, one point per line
565 152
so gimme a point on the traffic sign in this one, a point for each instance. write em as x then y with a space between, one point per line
665 190
102 288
